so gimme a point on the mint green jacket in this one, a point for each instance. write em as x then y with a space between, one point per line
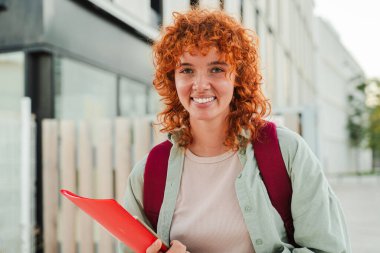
318 219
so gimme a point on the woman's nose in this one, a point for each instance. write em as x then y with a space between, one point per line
201 83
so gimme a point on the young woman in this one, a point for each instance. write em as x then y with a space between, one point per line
208 75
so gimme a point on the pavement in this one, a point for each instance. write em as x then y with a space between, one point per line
360 200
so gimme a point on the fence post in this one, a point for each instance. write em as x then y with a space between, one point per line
68 179
26 175
85 185
141 137
122 156
104 186
50 183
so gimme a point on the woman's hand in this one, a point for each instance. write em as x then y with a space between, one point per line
175 247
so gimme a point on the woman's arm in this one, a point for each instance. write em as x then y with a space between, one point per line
134 205
317 216
134 197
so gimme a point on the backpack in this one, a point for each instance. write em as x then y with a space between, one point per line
269 160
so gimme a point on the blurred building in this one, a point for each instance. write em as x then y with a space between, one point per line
338 74
75 60
91 59
287 44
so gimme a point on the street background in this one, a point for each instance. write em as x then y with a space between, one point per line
77 105
360 200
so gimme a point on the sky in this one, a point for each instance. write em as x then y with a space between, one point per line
358 25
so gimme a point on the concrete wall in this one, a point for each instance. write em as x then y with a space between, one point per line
305 74
335 72
304 65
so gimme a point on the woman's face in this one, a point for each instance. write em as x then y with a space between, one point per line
204 85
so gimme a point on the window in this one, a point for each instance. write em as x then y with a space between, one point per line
84 92
133 98
154 105
156 7
3 5
194 3
11 91
257 17
241 11
221 4
11 83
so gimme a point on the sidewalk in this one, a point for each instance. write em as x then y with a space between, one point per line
360 200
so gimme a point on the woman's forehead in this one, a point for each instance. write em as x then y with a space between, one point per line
211 52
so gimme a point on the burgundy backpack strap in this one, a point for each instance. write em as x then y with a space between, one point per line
274 174
154 180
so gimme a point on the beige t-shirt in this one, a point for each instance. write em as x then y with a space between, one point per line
207 216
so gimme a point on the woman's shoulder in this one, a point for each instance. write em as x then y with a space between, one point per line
291 143
288 137
137 173
138 170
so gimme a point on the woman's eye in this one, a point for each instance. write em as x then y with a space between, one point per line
217 70
186 71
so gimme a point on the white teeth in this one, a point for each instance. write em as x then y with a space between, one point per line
203 100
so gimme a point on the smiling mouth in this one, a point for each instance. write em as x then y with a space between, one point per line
203 100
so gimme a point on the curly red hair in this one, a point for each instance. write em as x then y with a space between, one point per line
201 30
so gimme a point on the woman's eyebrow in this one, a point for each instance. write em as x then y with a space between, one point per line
211 63
185 64
218 63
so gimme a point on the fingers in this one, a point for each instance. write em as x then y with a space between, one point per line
177 247
155 247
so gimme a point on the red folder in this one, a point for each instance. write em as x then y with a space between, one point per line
118 221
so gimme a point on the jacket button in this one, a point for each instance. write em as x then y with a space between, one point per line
259 242
248 208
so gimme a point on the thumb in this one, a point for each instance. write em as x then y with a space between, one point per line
155 247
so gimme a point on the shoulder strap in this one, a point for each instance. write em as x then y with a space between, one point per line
154 181
274 174
269 160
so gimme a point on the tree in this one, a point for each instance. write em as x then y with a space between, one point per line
355 126
373 131
357 119
364 119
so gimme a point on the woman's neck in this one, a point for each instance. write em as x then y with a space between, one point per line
208 138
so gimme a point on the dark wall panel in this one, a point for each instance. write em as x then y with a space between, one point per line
70 26
20 23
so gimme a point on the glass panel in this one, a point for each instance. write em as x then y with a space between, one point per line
270 71
11 84
84 92
154 105
133 98
11 91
